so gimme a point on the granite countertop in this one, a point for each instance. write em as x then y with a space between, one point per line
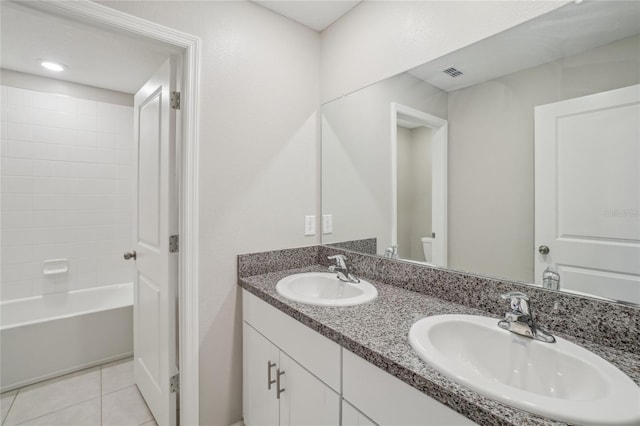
378 332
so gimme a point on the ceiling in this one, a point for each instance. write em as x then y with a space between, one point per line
315 14
93 56
564 32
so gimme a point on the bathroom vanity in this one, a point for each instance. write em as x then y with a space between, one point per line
354 365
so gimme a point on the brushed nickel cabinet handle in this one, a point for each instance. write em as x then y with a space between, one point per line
278 390
131 255
543 249
270 365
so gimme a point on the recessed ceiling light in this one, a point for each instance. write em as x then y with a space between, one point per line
53 66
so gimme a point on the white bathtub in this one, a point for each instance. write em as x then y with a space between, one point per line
46 336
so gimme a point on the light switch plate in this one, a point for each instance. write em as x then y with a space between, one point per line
309 225
327 223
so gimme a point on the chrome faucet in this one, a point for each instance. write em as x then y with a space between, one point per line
519 319
342 270
391 252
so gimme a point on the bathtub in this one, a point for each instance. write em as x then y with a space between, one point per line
46 336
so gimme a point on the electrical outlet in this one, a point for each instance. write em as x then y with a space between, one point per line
309 225
327 223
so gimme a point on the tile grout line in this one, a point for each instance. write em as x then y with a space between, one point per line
10 406
101 395
52 412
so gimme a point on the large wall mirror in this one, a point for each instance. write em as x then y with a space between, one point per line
517 157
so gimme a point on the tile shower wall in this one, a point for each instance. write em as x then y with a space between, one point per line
67 191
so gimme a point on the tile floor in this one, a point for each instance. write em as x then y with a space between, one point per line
99 396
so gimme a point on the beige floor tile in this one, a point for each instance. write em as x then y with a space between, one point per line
6 399
125 408
53 395
84 414
117 375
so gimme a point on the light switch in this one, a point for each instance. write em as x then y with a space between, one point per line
327 223
309 225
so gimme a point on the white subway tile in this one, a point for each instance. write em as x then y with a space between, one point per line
16 219
86 122
125 173
77 153
124 158
4 114
17 96
106 117
17 149
3 129
125 141
105 186
47 218
86 107
55 102
104 171
46 202
17 184
46 236
86 138
21 132
11 290
106 156
17 202
106 140
46 151
17 167
18 237
43 168
124 187
124 120
3 95
19 114
17 254
20 271
49 118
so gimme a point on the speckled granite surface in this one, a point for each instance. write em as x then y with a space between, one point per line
378 331
367 246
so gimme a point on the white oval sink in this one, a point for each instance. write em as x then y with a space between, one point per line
324 288
560 380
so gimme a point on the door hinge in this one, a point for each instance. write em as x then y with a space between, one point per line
173 243
174 383
175 100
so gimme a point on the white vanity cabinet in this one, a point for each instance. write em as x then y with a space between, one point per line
278 391
352 417
316 377
291 376
386 400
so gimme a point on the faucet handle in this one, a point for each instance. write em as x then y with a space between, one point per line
341 260
515 295
519 303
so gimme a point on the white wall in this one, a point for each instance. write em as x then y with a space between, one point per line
414 191
491 142
67 191
378 39
356 155
258 163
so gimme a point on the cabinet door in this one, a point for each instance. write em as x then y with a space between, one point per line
352 417
260 362
305 400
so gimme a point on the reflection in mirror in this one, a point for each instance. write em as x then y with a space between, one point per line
563 75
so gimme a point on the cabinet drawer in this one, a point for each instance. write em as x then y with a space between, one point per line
310 349
389 401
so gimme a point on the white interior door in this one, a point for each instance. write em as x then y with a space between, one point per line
587 186
156 273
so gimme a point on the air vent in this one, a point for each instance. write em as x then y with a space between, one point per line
452 72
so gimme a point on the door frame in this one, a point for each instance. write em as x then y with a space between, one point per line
439 148
93 13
